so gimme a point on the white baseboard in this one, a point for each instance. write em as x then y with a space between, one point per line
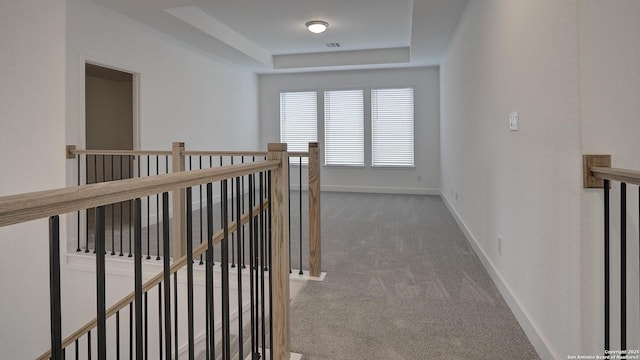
380 190
537 338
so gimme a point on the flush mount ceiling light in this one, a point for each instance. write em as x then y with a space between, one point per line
317 26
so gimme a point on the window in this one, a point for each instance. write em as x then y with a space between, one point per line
298 121
344 127
392 127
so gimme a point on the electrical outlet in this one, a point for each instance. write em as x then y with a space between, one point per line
513 121
500 245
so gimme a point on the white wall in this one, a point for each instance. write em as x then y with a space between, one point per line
32 113
522 186
610 104
184 95
424 178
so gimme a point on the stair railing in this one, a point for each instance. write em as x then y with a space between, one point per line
598 173
97 166
268 263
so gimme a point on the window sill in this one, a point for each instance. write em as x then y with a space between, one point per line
345 166
408 167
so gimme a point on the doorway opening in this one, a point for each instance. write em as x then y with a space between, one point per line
109 119
110 124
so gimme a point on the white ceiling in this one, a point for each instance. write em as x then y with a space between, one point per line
269 35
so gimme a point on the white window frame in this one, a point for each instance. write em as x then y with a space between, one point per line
299 127
344 138
389 125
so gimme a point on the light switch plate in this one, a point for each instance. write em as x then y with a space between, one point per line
513 121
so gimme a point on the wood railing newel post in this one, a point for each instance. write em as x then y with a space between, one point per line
179 233
315 243
280 251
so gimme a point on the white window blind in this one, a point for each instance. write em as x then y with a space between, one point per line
298 121
344 127
392 127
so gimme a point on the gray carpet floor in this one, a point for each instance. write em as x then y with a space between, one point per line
402 283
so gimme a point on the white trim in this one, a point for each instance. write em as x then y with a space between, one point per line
292 356
536 337
381 190
295 276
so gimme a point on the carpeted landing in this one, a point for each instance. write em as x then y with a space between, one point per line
402 283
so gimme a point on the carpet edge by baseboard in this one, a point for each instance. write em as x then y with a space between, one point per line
537 339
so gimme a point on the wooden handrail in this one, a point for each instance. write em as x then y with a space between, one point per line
119 152
184 153
16 209
299 154
158 278
622 175
223 153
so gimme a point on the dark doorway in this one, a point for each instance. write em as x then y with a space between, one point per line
109 118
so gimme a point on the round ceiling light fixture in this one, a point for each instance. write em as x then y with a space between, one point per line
317 26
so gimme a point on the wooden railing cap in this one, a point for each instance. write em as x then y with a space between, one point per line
277 147
69 153
313 144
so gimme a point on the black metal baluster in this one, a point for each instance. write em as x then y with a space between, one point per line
201 214
118 335
300 201
138 275
158 215
89 345
266 248
86 212
238 229
104 170
226 329
211 220
79 180
131 330
251 270
268 235
175 313
77 346
101 302
148 219
54 288
243 226
146 325
607 305
167 274
113 218
211 349
233 235
190 274
131 159
121 209
160 321
623 266
289 189
222 209
262 262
